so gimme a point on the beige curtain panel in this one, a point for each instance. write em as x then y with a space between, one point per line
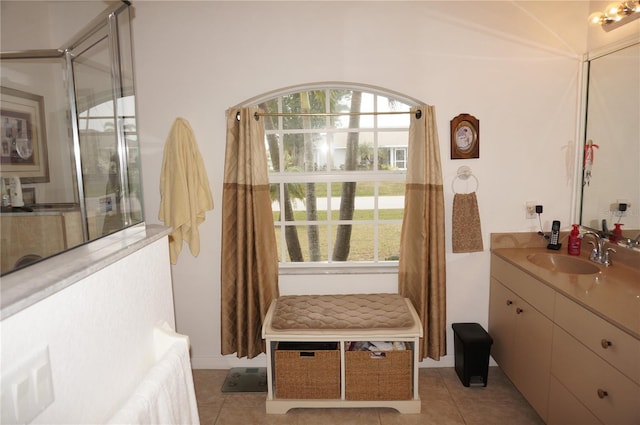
249 277
422 274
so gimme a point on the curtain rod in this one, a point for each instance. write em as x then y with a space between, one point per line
330 114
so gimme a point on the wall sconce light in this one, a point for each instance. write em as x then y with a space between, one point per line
616 14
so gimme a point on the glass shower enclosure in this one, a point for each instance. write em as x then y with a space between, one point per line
87 134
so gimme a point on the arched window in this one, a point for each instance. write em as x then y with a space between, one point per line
337 164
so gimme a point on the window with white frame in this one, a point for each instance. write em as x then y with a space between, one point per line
337 168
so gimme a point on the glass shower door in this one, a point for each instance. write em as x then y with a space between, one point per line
107 137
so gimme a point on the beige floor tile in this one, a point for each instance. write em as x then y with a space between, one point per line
208 384
245 400
444 401
433 412
208 413
337 416
499 402
252 416
499 412
431 385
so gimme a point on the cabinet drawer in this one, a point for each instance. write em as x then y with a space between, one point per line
596 333
607 393
530 289
565 409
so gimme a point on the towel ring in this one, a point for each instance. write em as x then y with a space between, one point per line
464 173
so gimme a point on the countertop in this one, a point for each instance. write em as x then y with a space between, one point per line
39 209
613 293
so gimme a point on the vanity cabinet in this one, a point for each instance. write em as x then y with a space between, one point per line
39 234
597 363
522 331
574 365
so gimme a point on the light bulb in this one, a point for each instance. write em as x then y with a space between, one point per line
613 9
596 17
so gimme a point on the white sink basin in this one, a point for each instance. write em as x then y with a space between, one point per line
563 264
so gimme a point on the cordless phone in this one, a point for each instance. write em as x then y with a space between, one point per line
555 236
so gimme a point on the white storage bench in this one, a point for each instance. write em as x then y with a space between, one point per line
310 364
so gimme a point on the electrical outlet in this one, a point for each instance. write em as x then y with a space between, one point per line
530 208
622 207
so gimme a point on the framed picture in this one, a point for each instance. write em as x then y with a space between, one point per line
465 137
23 136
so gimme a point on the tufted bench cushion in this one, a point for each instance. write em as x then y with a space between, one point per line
353 312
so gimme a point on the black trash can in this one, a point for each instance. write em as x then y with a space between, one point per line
472 346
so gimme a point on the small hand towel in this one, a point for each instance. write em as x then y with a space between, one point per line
467 234
184 189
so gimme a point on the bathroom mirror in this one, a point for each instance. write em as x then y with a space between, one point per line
611 160
70 111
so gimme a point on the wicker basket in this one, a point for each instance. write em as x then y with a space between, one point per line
381 375
307 374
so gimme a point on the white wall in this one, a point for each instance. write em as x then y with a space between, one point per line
99 332
515 66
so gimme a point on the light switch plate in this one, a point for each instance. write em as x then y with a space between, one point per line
27 389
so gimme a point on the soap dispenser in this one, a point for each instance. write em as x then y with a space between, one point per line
573 247
616 231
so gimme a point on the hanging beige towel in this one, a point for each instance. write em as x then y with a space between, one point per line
184 189
467 235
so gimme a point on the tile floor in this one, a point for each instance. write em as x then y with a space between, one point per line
445 401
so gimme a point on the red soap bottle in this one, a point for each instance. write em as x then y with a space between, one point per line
573 247
616 231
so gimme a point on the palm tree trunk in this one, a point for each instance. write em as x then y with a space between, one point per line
347 202
290 232
309 165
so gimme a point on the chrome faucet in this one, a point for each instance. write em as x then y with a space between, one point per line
628 242
599 253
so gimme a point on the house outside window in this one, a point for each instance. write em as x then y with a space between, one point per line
337 169
400 156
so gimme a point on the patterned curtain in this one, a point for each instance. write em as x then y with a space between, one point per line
422 274
249 280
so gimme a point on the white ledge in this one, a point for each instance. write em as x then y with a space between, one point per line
25 287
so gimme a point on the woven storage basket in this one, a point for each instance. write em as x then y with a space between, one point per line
384 375
307 374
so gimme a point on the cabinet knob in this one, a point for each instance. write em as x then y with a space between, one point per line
519 310
509 302
602 393
605 343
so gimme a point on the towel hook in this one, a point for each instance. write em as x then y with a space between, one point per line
464 172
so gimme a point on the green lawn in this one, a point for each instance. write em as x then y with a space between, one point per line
363 189
361 236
